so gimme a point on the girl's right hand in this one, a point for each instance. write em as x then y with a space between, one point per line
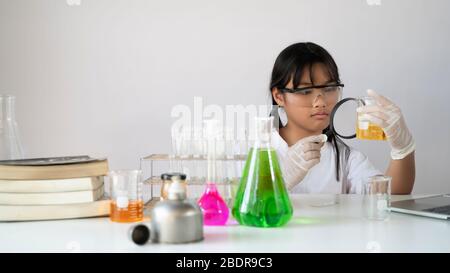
301 157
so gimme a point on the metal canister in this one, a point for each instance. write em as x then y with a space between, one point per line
176 220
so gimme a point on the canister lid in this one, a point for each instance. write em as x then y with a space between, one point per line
140 234
169 176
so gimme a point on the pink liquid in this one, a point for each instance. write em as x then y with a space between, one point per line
215 210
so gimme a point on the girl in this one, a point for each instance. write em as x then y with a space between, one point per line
305 86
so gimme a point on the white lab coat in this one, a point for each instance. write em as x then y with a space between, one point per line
322 177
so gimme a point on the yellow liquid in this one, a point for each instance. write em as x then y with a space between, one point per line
374 132
133 213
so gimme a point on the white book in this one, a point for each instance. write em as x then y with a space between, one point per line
51 185
54 212
51 198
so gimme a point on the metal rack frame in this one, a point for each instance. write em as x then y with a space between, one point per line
153 179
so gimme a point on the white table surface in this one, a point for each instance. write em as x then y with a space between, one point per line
336 228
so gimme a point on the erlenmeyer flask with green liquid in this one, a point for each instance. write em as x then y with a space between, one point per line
262 199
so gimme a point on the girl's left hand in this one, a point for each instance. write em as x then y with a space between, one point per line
389 117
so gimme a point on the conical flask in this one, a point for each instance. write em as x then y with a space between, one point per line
215 210
262 199
10 144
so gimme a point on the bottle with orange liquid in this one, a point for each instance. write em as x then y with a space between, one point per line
364 128
127 205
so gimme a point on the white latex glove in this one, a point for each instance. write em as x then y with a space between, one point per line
301 157
389 117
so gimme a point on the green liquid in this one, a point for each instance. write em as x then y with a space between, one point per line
262 199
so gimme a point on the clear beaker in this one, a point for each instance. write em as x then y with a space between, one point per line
377 192
364 128
10 144
127 203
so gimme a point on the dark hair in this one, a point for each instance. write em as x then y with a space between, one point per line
291 63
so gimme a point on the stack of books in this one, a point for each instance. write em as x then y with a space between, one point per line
53 188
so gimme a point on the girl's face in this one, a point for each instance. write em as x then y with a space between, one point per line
309 112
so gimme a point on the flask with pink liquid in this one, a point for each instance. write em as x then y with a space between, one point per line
215 210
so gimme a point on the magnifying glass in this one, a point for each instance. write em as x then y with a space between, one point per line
340 125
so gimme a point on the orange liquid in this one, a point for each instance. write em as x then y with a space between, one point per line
133 213
374 132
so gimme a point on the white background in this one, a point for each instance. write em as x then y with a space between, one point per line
101 78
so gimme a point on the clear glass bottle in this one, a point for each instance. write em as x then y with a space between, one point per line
10 144
215 210
262 199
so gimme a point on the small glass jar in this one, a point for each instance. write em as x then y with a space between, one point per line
377 192
167 179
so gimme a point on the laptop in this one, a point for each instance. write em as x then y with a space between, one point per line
435 206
